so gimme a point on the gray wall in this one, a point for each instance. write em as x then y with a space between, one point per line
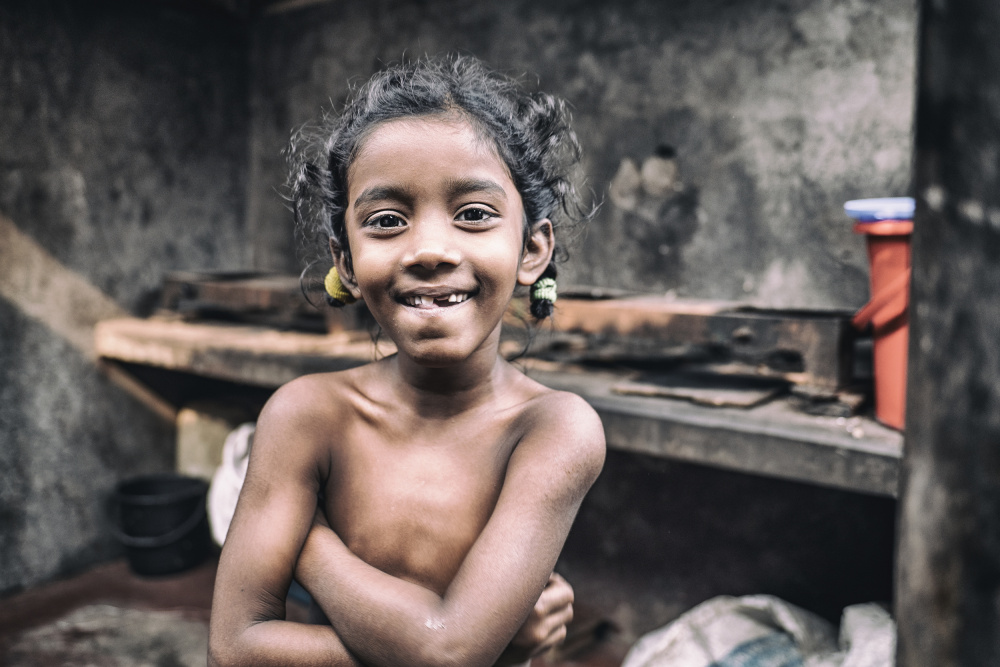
123 134
778 111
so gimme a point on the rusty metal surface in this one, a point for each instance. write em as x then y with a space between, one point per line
804 347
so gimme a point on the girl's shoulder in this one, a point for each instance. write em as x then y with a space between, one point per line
563 419
554 406
537 398
318 398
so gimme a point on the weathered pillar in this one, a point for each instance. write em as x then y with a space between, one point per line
948 575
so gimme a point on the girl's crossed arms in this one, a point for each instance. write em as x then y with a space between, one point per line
431 614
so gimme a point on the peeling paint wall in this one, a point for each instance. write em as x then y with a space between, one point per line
122 156
724 136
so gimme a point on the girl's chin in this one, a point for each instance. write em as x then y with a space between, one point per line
442 353
437 358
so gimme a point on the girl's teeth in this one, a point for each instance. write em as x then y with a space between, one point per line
427 300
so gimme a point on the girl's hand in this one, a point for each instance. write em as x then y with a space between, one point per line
545 627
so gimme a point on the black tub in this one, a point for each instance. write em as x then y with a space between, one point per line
161 521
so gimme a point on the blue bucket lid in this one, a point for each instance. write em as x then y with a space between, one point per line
885 208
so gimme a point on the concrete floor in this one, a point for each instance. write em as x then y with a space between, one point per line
111 617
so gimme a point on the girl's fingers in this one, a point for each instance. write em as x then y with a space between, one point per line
558 618
545 627
551 630
557 594
554 639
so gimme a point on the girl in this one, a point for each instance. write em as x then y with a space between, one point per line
447 480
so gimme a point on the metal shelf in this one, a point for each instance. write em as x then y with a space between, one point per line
774 440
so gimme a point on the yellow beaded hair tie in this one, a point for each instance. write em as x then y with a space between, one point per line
336 294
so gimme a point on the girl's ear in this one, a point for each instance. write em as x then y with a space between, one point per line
537 252
346 275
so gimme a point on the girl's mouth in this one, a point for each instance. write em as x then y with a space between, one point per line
444 301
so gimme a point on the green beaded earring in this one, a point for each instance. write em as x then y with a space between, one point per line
543 293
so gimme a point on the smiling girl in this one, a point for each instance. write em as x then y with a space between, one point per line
422 499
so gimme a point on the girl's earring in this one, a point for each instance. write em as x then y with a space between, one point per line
336 294
543 293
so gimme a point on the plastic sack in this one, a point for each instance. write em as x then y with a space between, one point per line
228 480
867 637
765 631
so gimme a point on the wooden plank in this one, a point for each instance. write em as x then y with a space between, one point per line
259 298
252 355
702 389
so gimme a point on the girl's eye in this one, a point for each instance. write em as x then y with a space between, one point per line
476 215
385 221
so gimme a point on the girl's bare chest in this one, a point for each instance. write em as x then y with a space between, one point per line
414 508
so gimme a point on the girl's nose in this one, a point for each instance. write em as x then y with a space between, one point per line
430 248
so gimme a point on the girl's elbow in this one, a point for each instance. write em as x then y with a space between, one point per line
436 658
218 656
224 651
458 651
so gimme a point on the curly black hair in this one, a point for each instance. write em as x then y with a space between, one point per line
530 131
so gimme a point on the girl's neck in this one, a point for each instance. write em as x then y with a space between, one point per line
450 389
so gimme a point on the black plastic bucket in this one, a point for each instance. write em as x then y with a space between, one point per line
161 520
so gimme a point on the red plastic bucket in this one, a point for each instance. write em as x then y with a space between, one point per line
888 313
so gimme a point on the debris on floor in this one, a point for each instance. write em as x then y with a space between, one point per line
103 634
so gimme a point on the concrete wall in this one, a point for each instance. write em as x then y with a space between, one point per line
123 133
778 111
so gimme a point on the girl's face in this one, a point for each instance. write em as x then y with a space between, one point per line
435 227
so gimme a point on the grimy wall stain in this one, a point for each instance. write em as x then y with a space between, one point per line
722 135
123 132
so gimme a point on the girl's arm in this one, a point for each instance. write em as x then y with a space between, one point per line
387 621
273 517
